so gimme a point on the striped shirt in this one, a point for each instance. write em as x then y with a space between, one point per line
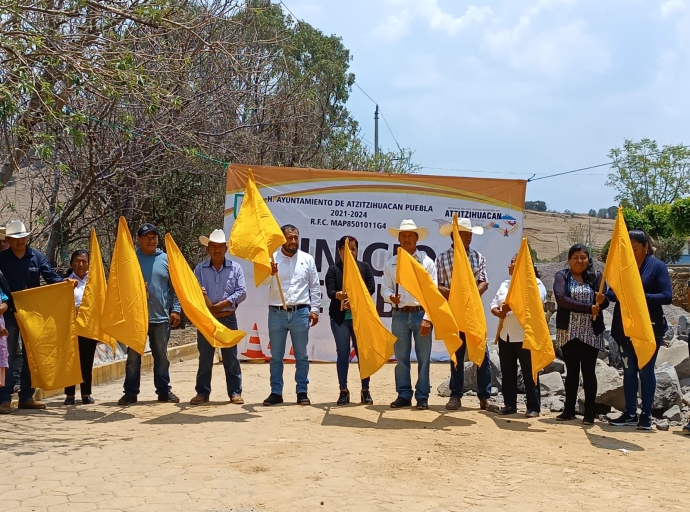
444 267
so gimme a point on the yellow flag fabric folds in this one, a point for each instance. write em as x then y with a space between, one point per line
125 311
193 303
623 275
374 341
255 235
524 300
417 281
465 301
47 321
90 312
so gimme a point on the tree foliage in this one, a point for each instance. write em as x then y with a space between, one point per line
644 174
537 206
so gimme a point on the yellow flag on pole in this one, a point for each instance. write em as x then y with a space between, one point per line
194 306
89 314
255 235
623 275
525 302
374 341
465 301
417 281
125 311
47 320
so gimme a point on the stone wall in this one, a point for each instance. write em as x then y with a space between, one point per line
679 281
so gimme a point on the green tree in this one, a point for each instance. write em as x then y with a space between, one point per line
592 213
643 174
603 213
537 206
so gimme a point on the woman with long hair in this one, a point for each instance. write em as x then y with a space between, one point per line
579 328
510 351
656 283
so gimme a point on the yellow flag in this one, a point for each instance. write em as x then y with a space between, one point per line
256 235
465 302
374 341
91 309
417 281
47 321
192 299
525 302
623 275
125 311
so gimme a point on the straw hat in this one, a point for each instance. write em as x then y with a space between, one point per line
463 225
217 237
409 225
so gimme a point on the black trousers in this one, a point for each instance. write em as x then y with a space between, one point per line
580 357
509 354
87 351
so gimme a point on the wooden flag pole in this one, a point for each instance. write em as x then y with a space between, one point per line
601 290
346 247
498 331
280 286
397 276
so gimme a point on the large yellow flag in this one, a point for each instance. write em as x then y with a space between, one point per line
417 281
125 311
374 341
192 299
525 302
465 301
623 275
90 312
256 235
47 321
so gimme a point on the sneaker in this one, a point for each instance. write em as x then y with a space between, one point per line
686 428
645 422
566 416
400 402
169 397
507 410
236 399
127 400
198 400
454 403
273 399
624 420
303 399
68 401
423 404
532 414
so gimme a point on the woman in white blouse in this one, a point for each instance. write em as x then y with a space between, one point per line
87 347
510 351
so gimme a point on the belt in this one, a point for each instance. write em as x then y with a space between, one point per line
290 309
411 309
224 314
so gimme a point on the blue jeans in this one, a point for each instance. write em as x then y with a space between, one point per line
158 340
280 323
403 326
343 333
233 373
630 373
457 375
27 392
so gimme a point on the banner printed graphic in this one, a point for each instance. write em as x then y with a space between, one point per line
326 205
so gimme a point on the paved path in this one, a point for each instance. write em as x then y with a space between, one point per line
222 457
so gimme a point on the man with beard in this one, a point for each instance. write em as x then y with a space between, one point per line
296 272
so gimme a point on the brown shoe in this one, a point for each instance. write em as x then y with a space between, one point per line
237 399
198 400
31 404
484 404
6 408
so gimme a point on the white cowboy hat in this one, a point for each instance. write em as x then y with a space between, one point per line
16 229
409 225
463 225
2 232
217 237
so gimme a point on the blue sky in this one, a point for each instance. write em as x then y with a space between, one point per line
520 87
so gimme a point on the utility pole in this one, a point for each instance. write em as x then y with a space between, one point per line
376 131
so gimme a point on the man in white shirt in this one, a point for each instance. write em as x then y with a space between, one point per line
409 319
297 274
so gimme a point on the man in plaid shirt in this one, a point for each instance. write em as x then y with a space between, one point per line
444 268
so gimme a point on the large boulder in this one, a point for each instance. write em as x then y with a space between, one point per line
609 386
673 414
608 317
668 392
496 376
552 325
444 388
555 366
676 355
470 376
551 384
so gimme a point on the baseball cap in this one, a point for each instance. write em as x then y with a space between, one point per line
147 228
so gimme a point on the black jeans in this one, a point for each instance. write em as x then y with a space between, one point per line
457 374
580 357
87 351
510 353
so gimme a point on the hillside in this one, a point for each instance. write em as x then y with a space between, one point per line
549 233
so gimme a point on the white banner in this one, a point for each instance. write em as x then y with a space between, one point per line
325 205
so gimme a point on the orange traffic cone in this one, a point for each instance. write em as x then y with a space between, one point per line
267 357
291 356
254 352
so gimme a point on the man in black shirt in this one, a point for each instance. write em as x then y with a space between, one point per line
22 267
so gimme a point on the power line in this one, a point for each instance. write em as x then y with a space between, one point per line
380 112
492 172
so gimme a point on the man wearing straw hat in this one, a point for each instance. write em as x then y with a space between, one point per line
409 319
444 263
222 282
22 266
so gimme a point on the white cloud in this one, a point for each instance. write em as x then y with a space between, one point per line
398 24
671 7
